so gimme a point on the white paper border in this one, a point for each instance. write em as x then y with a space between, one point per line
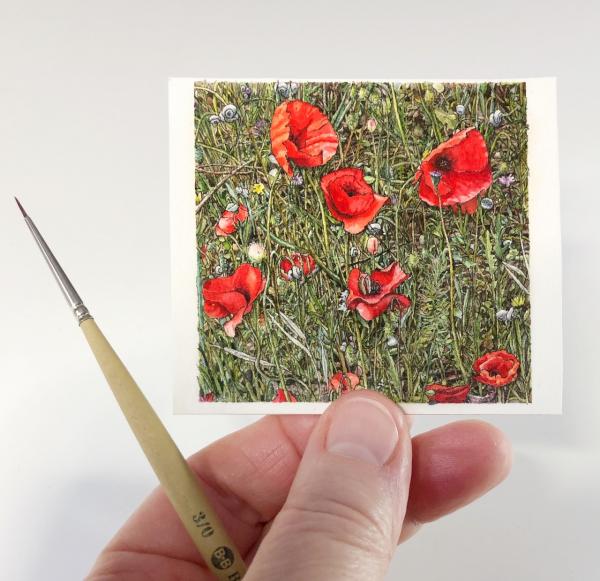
545 262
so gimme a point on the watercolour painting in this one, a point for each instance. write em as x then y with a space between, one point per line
362 235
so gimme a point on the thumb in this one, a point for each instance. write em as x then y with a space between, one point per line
344 512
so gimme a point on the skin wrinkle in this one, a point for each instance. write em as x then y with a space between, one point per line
123 565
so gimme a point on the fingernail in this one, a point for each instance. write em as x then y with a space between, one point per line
363 429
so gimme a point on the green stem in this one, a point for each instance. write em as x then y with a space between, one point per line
457 355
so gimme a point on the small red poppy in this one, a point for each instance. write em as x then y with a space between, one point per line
351 199
232 295
229 221
447 394
304 263
497 369
280 396
343 382
208 397
372 294
301 133
456 172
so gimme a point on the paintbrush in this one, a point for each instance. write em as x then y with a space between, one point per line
179 482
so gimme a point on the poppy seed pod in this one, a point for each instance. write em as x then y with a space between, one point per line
229 113
374 229
282 89
496 118
487 203
246 92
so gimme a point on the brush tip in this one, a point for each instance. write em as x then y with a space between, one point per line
21 207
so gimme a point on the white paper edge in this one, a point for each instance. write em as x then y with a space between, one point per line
545 262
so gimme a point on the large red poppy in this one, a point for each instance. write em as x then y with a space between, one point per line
232 295
304 263
351 199
343 382
497 369
280 396
456 172
447 394
229 221
301 133
372 294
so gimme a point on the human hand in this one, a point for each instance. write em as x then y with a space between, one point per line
316 497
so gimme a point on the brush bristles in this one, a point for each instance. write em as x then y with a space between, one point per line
21 207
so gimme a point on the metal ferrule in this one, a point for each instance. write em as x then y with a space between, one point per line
68 290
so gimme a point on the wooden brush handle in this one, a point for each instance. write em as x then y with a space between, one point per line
178 480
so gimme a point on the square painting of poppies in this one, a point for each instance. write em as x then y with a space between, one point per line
362 235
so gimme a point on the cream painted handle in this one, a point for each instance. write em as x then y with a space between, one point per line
178 480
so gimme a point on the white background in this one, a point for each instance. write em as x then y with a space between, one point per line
84 142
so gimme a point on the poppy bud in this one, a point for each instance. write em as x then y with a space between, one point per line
372 245
371 125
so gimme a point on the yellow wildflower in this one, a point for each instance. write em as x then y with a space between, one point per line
258 189
518 301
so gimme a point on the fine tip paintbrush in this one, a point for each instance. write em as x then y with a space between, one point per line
177 479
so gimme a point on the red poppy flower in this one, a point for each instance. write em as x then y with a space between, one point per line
209 397
232 295
497 369
304 264
372 294
302 134
351 199
447 394
344 382
456 171
280 396
229 221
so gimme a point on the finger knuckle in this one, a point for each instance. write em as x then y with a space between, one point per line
341 521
